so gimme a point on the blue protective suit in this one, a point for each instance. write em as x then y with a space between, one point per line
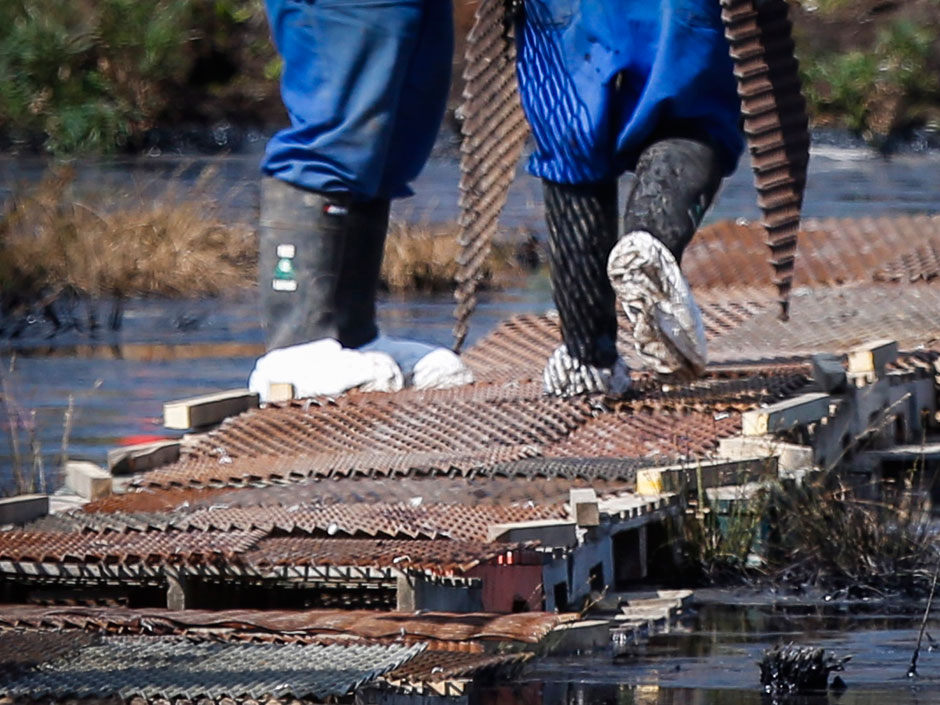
365 83
601 79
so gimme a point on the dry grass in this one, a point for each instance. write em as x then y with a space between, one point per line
423 258
52 244
828 535
57 247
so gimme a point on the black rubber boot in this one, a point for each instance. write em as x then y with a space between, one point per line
676 180
301 242
582 229
359 275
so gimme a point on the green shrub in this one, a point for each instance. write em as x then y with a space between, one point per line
88 75
871 91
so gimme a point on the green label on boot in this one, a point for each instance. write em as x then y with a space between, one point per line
284 273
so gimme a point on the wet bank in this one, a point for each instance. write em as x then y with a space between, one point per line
169 349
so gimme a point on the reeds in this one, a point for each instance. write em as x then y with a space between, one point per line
423 258
60 247
54 244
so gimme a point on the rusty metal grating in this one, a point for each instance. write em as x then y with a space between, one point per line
445 558
657 438
436 666
835 251
836 319
133 548
526 627
775 122
403 520
376 435
495 486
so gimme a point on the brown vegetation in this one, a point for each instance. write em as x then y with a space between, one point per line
56 244
53 243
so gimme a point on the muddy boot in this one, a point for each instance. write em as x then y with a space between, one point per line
423 366
301 241
359 272
582 228
676 180
301 252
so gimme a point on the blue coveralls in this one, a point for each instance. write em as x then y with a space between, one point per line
365 83
601 79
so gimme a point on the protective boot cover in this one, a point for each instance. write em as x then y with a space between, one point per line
325 368
301 244
582 228
667 324
565 376
423 366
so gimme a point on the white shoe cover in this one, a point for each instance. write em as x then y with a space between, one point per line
424 366
564 376
667 324
325 368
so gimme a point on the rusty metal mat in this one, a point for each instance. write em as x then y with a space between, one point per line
659 438
437 666
377 519
441 558
833 251
836 319
525 627
502 487
134 548
653 425
171 668
376 435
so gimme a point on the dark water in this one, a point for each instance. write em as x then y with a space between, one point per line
173 349
711 659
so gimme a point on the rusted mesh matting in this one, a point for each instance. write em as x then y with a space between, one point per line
728 255
502 427
293 443
405 520
526 627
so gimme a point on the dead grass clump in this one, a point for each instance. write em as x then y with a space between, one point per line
423 258
825 534
54 245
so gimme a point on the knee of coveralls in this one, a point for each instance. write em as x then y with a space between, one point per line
599 80
345 65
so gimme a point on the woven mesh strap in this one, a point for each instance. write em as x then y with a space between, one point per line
494 131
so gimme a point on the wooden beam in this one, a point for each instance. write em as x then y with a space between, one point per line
207 410
872 358
144 456
784 415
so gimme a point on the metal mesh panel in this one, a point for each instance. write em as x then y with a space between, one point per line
494 130
775 122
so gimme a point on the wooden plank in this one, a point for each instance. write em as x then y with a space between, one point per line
207 410
87 479
280 392
143 456
784 415
23 508
872 358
